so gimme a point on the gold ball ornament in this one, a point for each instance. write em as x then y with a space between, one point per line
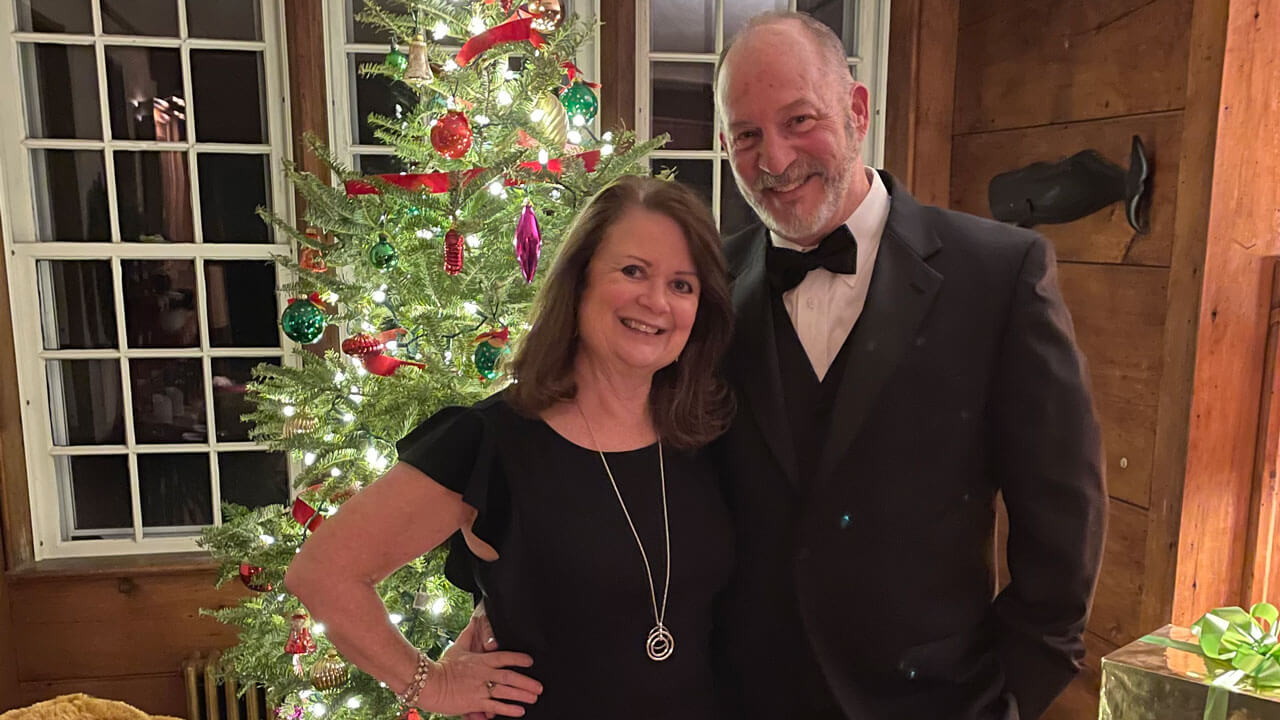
299 424
329 672
552 120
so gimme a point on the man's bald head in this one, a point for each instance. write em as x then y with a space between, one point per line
827 47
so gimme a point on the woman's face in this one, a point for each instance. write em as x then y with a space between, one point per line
641 294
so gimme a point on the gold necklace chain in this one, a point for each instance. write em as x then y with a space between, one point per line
660 643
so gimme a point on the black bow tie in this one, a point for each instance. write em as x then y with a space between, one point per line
838 252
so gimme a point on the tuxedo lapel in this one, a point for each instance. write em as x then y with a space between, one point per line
754 356
903 287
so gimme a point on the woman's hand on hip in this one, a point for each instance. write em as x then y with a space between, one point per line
465 681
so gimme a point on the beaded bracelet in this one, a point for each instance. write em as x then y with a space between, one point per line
419 681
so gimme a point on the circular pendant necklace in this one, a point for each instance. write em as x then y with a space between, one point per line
660 643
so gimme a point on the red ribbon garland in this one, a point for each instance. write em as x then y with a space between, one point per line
511 31
306 516
574 72
440 182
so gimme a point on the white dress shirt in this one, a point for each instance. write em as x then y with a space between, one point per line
825 305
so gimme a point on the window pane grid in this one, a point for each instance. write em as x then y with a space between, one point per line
155 449
109 247
191 147
139 41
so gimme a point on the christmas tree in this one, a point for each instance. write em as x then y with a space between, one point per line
429 276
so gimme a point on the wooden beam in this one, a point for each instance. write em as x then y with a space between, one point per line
308 93
308 107
618 64
920 96
15 500
1251 98
1261 561
1186 267
1234 311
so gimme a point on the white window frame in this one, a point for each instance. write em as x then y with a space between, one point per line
24 252
868 66
341 78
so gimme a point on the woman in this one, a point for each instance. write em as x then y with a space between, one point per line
589 522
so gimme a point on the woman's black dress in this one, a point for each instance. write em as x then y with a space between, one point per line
569 587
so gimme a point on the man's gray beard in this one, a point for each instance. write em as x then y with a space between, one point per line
802 226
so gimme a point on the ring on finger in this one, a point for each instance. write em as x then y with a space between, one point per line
490 685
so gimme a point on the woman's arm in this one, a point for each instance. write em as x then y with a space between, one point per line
394 520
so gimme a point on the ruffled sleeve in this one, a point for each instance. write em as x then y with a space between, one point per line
457 448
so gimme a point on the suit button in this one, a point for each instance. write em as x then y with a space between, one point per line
845 520
908 671
802 553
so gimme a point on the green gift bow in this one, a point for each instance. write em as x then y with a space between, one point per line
1238 651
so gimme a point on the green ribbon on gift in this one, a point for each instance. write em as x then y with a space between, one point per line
1239 652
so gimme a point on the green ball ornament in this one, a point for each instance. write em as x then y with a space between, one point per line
579 100
397 59
383 255
304 321
490 347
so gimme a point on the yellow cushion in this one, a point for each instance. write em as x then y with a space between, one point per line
80 707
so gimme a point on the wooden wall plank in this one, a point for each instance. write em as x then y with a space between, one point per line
1119 315
1186 275
1116 612
919 96
163 694
1105 236
148 628
8 652
1234 314
1036 62
1249 130
618 64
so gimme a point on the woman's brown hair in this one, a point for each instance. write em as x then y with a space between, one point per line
689 402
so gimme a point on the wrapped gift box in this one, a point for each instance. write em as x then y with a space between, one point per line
1148 681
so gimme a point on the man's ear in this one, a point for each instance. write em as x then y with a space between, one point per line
860 108
723 145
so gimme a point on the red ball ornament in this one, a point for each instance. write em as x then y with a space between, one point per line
453 247
250 575
451 136
362 345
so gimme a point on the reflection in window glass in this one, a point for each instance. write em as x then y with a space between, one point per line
228 87
77 307
64 79
70 195
175 493
145 95
98 486
168 400
153 197
86 406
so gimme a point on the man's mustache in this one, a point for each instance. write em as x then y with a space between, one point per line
795 172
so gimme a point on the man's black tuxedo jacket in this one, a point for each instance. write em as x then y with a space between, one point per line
962 379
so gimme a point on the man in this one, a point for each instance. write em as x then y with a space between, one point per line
896 366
